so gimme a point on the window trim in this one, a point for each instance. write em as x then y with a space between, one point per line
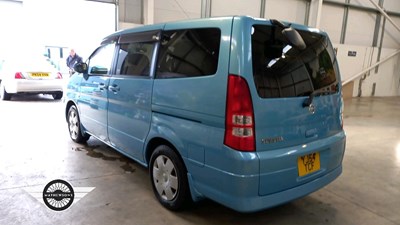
146 36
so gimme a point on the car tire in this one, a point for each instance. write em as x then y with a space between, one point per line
57 95
74 126
3 93
169 178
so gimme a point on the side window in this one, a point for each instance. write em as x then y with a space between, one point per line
135 58
100 61
188 53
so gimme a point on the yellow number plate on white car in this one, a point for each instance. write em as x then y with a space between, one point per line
39 74
308 163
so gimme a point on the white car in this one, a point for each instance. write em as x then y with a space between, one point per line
29 75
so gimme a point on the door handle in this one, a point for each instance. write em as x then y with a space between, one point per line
102 86
114 88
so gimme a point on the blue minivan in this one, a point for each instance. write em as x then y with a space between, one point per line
246 112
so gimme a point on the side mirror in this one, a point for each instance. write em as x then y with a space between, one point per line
81 67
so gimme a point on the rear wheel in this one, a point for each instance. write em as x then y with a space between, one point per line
3 93
57 95
74 126
169 178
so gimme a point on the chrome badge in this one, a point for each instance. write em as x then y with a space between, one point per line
271 140
311 108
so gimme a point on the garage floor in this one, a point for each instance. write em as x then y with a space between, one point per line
35 148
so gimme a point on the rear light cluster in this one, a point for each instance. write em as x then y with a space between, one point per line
239 122
19 75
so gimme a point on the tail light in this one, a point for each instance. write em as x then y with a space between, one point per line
59 75
19 75
239 120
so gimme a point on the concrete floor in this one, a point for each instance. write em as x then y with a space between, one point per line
35 148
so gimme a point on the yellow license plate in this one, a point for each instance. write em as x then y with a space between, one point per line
39 74
308 163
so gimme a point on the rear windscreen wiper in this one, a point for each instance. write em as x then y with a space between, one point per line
310 98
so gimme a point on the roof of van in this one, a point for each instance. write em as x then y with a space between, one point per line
160 26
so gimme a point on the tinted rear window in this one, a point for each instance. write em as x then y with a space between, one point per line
281 70
188 53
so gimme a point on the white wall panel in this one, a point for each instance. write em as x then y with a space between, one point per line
365 3
130 11
235 7
360 28
392 35
351 65
387 79
391 38
392 5
171 10
287 10
331 21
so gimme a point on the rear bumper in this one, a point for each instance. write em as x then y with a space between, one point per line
34 86
273 178
257 203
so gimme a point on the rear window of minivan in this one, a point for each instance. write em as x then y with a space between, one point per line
281 70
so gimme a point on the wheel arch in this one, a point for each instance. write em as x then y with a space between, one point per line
157 141
68 106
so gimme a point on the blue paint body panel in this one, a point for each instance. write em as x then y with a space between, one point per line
189 114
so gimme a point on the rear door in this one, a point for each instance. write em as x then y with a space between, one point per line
281 79
129 93
298 91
